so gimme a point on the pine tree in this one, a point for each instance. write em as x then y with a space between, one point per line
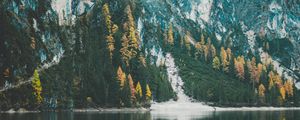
216 63
143 60
170 35
138 90
37 87
271 80
148 93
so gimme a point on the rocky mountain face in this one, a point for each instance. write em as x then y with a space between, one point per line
46 33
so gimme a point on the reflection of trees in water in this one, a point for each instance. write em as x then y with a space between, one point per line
93 116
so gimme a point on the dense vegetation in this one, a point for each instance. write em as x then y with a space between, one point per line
224 77
105 68
105 63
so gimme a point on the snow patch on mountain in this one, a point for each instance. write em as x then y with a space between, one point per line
139 29
250 34
158 54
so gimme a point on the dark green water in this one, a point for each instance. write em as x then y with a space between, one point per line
229 115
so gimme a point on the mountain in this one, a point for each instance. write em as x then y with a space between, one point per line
81 49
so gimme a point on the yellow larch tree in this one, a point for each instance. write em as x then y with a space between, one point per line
132 89
170 35
224 59
198 52
138 90
282 92
289 87
111 29
216 63
261 90
148 93
129 41
121 76
205 50
229 54
213 51
142 59
271 80
239 63
187 41
37 87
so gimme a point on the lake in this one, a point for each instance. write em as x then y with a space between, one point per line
209 115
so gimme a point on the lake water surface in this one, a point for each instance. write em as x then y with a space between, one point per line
209 115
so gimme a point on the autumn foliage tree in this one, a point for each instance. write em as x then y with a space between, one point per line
216 63
132 89
121 76
37 87
111 29
138 90
187 42
148 93
239 63
261 92
224 59
129 40
289 87
170 35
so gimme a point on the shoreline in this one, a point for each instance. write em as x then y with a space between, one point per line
132 110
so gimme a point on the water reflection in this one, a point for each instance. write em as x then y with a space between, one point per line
153 115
